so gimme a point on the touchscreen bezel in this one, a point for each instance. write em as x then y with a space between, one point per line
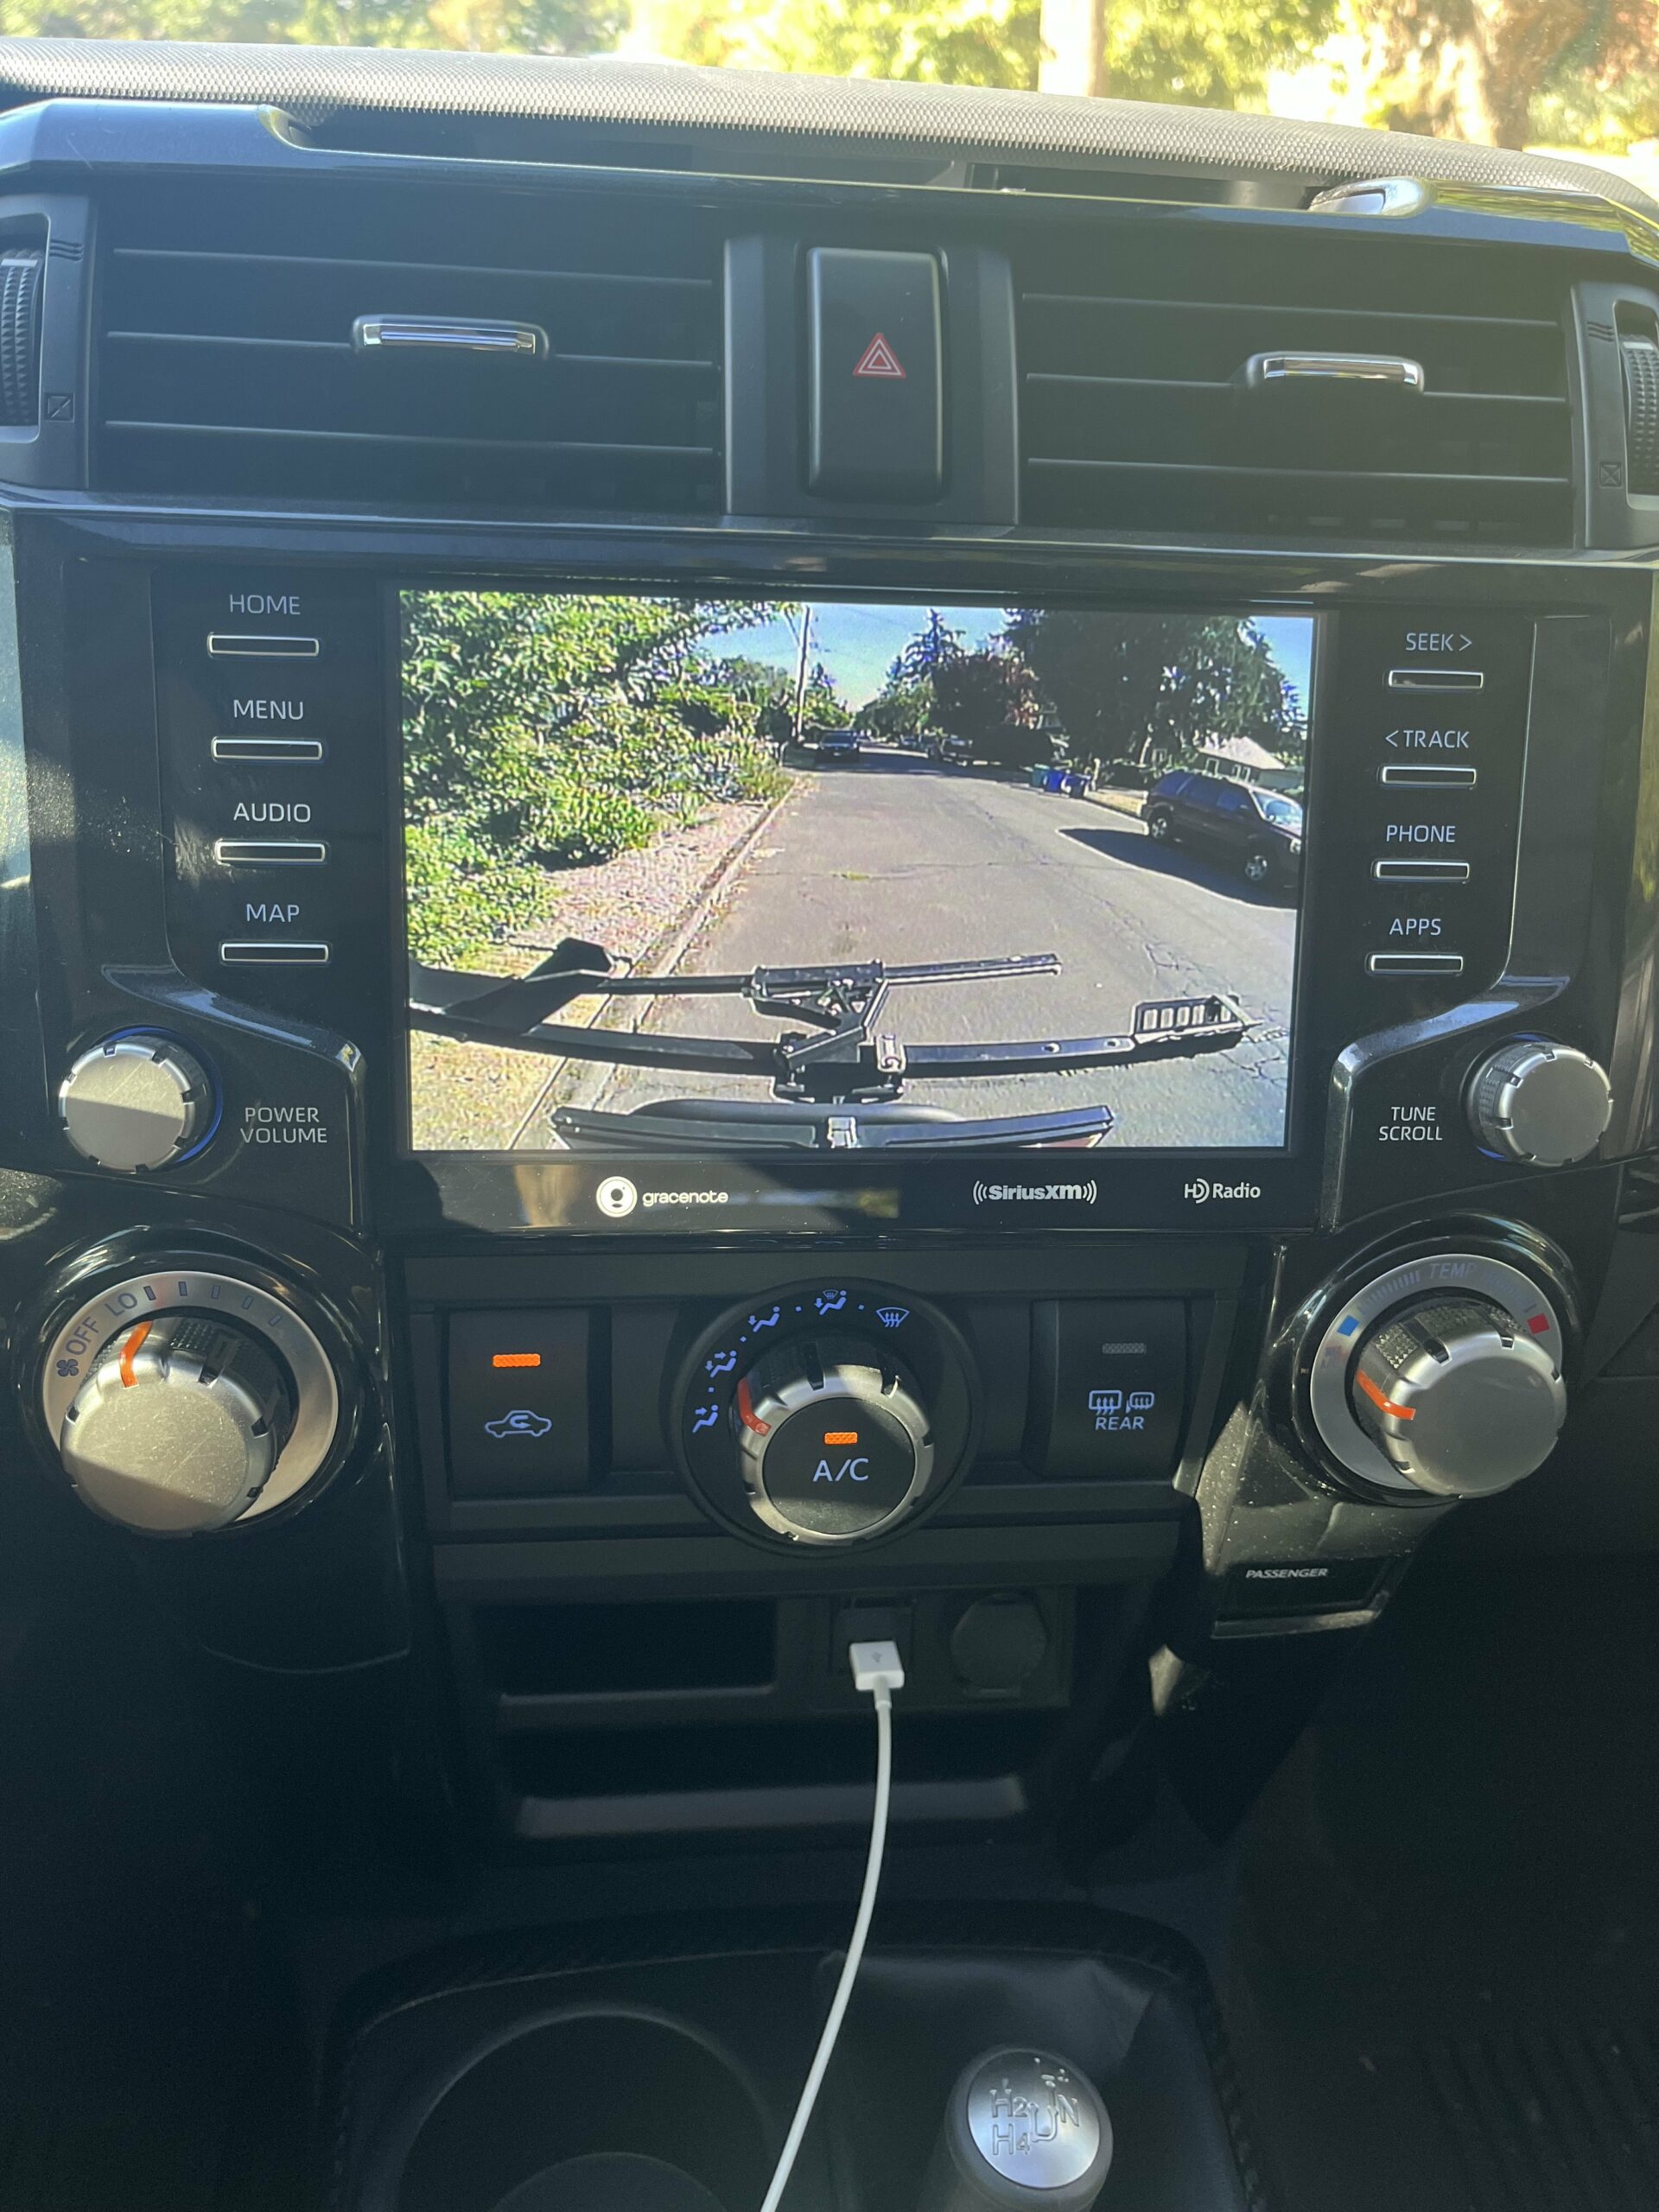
1217 1188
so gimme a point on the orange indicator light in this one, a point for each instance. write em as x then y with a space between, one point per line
841 1436
516 1359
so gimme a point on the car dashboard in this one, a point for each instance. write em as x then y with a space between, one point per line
1085 678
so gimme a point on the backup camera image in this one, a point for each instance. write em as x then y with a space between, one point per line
690 876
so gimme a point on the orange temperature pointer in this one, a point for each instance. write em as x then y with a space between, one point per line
134 1344
1382 1402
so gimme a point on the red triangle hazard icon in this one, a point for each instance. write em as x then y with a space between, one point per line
879 359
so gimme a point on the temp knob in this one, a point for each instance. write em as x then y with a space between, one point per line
833 1443
1543 1104
136 1102
178 1424
1460 1396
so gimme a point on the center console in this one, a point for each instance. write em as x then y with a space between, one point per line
855 1227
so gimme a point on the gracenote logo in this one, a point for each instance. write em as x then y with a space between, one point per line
616 1197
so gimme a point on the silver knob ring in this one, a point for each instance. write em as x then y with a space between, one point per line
77 1342
1327 1382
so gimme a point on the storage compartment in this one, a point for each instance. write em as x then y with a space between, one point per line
589 1650
823 1768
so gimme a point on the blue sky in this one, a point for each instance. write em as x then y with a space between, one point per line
857 643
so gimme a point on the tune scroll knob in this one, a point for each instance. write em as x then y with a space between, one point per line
1541 1104
833 1442
135 1103
1462 1399
179 1424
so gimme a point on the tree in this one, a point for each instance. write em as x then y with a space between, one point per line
1146 688
934 646
1494 70
823 707
482 26
990 701
934 41
544 731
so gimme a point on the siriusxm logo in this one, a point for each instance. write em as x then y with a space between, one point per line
1002 1194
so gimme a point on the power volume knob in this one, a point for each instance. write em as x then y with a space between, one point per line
1543 1104
136 1101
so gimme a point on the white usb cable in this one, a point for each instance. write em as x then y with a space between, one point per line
877 1669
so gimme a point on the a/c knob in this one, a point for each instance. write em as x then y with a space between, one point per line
832 1442
136 1101
1544 1105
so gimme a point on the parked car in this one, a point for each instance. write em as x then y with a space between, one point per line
1257 831
837 744
949 751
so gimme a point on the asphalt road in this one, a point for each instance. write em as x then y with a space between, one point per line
894 859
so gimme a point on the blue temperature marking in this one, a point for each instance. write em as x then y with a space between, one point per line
1346 1328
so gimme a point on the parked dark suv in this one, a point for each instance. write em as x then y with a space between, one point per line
1258 831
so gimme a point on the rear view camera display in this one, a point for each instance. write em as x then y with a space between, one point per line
690 876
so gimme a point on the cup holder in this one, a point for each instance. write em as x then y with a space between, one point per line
612 2111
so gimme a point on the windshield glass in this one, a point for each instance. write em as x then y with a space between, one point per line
1283 813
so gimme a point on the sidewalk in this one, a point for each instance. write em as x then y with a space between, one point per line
642 906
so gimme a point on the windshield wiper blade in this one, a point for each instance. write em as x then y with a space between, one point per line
842 1053
828 1129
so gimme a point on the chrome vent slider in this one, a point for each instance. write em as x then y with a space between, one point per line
1263 371
375 334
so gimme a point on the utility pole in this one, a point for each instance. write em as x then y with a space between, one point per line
1070 35
800 672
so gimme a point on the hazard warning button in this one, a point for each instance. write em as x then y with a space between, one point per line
875 425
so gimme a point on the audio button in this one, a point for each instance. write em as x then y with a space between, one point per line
269 852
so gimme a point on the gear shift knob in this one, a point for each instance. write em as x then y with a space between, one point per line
1024 2131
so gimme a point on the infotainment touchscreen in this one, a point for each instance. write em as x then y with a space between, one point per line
695 876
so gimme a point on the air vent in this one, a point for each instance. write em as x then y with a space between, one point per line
20 336
1141 409
234 358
